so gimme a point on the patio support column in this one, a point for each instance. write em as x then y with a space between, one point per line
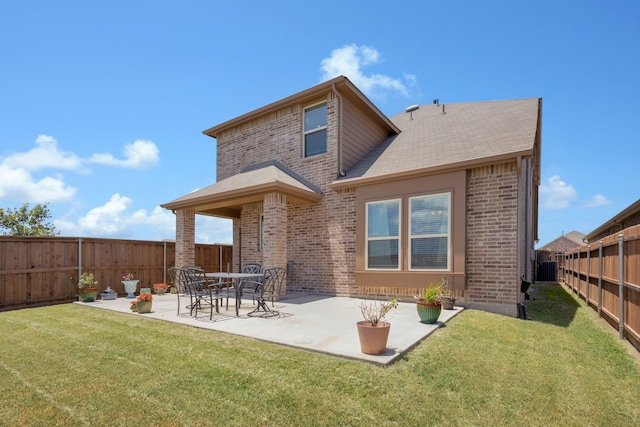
275 232
185 237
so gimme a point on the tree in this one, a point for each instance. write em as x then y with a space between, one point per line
27 222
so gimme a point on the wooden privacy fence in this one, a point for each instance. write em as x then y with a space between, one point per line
42 270
607 275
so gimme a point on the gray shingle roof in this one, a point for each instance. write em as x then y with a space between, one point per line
437 136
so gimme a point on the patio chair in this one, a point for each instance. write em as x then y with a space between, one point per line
202 290
250 286
178 281
269 289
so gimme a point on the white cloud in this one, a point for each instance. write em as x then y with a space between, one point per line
45 155
557 194
141 154
211 230
597 200
349 61
18 184
115 219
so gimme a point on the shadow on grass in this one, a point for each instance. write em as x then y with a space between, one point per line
551 303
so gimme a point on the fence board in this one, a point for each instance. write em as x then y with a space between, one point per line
576 266
41 270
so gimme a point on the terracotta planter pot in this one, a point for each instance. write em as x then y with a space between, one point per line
428 311
88 294
373 340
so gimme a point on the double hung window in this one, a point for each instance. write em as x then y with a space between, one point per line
383 235
427 225
315 130
429 230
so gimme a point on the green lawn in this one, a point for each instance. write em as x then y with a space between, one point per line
73 365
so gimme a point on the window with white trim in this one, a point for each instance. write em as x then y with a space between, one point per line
383 235
429 232
315 130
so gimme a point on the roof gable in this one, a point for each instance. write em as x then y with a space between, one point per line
248 186
341 83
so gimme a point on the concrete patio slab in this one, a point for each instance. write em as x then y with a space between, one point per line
311 322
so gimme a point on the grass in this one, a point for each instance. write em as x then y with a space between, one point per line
72 365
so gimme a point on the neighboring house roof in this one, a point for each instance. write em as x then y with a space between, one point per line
565 242
441 137
616 220
250 185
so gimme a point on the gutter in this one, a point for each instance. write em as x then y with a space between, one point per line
341 171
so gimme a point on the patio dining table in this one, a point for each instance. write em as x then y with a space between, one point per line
236 278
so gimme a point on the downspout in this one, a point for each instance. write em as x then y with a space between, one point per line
341 172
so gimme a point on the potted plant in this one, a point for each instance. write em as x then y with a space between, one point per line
130 285
373 331
160 288
446 298
429 304
87 287
108 294
143 303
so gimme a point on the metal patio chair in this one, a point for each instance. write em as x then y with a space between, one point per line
269 289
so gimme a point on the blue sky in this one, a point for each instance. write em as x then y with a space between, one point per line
102 103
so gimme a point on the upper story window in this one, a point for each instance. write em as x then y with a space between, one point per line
315 130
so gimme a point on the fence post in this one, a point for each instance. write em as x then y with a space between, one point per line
579 278
621 284
164 262
600 278
586 290
79 257
573 271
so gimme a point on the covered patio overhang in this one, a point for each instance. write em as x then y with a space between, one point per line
270 183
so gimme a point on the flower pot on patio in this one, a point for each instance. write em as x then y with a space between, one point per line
447 303
144 306
88 294
143 303
108 294
130 287
373 339
160 288
428 311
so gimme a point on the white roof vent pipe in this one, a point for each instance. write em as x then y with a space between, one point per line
410 109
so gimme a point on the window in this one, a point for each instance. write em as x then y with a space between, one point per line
383 235
429 230
315 130
261 237
418 240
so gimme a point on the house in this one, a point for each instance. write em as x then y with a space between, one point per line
628 217
361 205
564 243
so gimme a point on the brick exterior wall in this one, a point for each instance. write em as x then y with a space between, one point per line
185 237
492 244
321 238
